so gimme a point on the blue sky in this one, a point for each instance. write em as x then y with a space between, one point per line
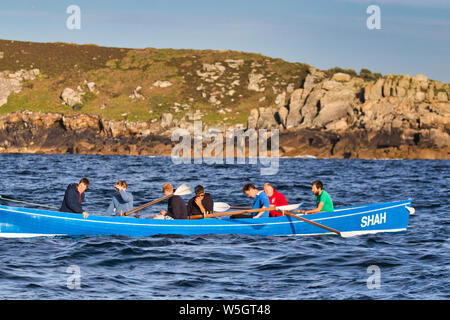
414 36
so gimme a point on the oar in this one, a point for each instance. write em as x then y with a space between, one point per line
30 203
312 222
222 207
182 190
281 208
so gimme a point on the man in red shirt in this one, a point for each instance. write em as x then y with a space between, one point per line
275 198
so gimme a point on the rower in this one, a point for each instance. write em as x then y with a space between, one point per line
176 208
260 199
276 199
323 199
122 201
74 197
202 203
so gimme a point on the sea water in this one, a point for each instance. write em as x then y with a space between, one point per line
411 265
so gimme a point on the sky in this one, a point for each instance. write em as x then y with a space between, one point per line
414 35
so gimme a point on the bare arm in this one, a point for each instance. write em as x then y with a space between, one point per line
318 209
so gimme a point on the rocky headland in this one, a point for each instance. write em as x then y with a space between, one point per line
123 101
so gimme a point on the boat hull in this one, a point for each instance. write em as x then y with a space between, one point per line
365 219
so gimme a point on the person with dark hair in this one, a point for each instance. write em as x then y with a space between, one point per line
201 204
260 199
74 197
122 201
323 199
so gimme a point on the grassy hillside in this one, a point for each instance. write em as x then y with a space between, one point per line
116 72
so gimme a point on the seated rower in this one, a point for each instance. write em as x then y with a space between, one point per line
74 198
275 199
201 204
122 201
176 208
323 199
260 200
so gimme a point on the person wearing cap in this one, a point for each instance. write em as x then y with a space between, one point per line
122 201
275 199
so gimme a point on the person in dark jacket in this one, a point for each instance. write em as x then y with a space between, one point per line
74 197
201 204
176 208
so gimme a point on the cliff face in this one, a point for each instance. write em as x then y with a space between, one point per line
344 116
59 98
30 132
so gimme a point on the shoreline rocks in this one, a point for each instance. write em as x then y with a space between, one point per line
52 133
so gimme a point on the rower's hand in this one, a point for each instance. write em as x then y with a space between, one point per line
85 215
258 215
163 212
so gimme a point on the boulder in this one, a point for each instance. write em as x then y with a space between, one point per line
295 104
235 64
280 99
442 96
341 77
374 91
255 82
420 96
252 120
71 97
8 86
162 84
166 120
283 113
315 76
420 77
91 87
266 119
136 95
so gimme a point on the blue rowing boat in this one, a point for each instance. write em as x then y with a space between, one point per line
351 221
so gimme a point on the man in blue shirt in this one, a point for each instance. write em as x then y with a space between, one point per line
261 200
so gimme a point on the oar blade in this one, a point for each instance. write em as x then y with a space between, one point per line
289 207
184 189
221 206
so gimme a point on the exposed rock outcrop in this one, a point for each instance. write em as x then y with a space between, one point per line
55 133
12 82
399 115
71 97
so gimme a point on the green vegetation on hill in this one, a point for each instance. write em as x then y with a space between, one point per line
214 82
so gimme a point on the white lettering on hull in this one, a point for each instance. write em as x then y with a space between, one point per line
373 220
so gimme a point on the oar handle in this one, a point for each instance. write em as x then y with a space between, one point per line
148 204
312 222
213 215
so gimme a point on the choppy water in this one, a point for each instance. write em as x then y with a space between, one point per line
412 265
